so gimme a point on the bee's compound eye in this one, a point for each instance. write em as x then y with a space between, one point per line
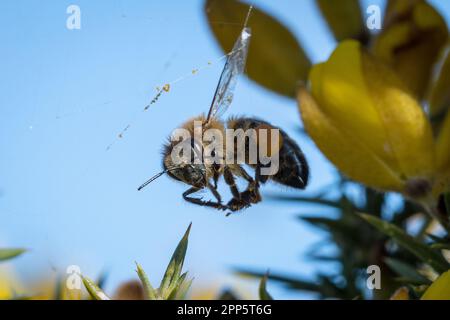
175 174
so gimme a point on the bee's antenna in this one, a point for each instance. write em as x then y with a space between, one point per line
248 16
156 176
146 183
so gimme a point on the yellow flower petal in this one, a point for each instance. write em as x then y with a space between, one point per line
443 158
440 289
411 41
408 130
9 283
443 147
344 149
440 94
363 102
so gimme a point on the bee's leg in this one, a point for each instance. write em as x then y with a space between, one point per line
216 180
238 202
245 175
200 202
252 194
214 191
252 184
229 179
258 177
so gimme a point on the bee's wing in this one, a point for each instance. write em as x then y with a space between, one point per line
233 68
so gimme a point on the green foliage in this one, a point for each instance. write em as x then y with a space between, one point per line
419 249
174 285
357 245
7 254
408 273
405 257
94 291
263 294
344 19
150 293
173 281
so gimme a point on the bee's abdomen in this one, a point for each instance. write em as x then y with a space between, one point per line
293 169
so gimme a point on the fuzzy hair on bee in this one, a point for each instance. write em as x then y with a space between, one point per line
293 169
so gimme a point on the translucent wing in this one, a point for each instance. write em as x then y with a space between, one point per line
233 68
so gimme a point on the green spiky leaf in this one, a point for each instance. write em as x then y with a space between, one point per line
419 249
180 290
175 266
310 200
406 271
149 292
263 294
292 283
6 254
94 291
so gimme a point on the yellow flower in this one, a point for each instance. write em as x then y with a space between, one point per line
443 157
10 285
440 93
365 120
443 146
440 289
411 40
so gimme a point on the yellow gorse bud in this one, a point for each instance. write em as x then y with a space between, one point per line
365 120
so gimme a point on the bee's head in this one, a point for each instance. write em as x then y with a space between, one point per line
179 162
183 167
192 174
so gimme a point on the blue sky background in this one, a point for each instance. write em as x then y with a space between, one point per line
64 97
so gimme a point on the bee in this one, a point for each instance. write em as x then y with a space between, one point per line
292 169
